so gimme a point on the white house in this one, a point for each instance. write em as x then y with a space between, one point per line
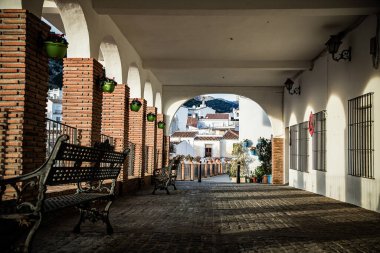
216 120
54 105
201 111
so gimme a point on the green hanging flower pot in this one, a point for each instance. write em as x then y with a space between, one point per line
151 117
108 85
135 105
56 46
161 124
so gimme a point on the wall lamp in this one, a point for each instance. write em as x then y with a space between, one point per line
333 45
289 86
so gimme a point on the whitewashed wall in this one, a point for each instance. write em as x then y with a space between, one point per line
329 86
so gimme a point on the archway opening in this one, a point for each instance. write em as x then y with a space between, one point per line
148 94
222 130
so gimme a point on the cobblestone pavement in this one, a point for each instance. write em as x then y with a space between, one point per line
220 217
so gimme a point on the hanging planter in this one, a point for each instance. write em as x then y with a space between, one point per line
108 85
151 117
135 105
56 46
161 125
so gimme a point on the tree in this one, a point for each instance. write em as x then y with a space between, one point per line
242 157
264 151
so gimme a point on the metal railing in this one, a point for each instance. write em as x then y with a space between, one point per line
131 158
110 139
54 129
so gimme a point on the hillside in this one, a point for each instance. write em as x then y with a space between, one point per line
219 105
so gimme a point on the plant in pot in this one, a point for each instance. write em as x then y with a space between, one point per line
108 84
259 173
264 152
151 117
135 105
56 45
161 124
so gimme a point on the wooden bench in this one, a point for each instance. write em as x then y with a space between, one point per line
165 177
93 170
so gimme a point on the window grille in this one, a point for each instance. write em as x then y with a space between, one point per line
361 136
293 147
319 141
299 151
303 146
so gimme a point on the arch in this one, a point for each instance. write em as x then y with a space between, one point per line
250 111
148 93
158 102
269 99
76 28
110 55
134 81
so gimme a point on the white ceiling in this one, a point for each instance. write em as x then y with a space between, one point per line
230 42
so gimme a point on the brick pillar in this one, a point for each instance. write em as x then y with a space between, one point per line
151 141
278 160
136 131
115 121
166 150
24 77
160 141
82 97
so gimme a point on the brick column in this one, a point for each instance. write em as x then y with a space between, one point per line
151 141
82 97
24 77
166 155
278 160
160 141
136 132
115 116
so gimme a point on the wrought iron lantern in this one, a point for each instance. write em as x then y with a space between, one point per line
333 45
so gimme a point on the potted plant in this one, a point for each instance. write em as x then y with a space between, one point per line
264 152
135 105
56 45
161 124
151 117
108 85
259 172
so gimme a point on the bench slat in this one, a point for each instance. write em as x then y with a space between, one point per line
59 202
67 175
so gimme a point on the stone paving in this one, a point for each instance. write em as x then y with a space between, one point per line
220 217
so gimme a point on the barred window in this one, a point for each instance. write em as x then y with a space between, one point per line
293 147
299 151
319 141
303 146
361 136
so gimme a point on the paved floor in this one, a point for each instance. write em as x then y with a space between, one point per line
220 217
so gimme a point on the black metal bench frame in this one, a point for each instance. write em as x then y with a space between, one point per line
87 167
165 177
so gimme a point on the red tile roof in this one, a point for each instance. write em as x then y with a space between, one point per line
192 121
207 138
217 116
231 135
184 134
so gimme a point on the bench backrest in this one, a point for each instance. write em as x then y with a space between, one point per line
70 163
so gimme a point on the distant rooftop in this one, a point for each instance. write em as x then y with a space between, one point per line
217 116
192 121
231 135
180 134
207 138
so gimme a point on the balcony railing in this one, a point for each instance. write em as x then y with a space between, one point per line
54 130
